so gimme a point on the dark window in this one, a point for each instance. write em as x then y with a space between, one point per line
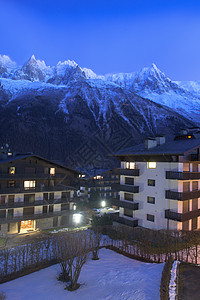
3 200
151 182
194 223
151 200
65 195
45 196
51 182
2 213
195 204
11 184
194 185
186 186
128 196
50 208
29 198
45 210
11 199
185 206
64 207
10 213
129 180
28 211
128 212
51 196
150 217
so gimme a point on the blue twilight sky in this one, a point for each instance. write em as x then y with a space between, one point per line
106 36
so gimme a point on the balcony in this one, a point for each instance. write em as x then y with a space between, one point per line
181 196
12 219
17 190
128 188
182 175
127 204
130 172
121 220
35 203
181 217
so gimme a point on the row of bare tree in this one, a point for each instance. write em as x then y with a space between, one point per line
157 245
70 250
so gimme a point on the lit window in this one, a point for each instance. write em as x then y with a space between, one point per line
151 165
52 171
129 165
29 184
12 170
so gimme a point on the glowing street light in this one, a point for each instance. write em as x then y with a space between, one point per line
103 203
77 218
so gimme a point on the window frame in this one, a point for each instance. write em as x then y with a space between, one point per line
153 200
150 218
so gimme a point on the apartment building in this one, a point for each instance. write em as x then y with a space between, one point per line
102 186
160 182
35 193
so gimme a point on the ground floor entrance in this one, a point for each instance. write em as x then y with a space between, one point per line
26 226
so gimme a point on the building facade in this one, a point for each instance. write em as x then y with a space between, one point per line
160 183
35 193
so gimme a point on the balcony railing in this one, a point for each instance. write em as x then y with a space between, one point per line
130 172
16 190
126 188
181 196
182 175
171 215
128 222
128 204
35 203
11 219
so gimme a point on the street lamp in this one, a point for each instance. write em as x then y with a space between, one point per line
77 218
103 203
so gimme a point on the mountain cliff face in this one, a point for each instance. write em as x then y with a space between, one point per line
72 115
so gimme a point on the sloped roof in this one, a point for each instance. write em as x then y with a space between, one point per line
171 147
22 156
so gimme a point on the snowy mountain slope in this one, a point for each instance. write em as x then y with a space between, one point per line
81 123
152 84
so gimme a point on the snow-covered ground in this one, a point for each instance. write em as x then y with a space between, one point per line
112 277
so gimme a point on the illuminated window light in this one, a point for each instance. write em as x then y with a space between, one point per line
151 165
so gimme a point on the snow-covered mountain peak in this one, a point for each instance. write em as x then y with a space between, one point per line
6 66
7 62
89 73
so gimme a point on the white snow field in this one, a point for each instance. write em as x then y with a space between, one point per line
112 277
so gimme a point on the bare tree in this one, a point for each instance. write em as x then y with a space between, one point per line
95 239
72 251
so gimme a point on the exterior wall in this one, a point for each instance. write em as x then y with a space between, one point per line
158 191
13 228
45 223
18 212
38 210
38 196
57 207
